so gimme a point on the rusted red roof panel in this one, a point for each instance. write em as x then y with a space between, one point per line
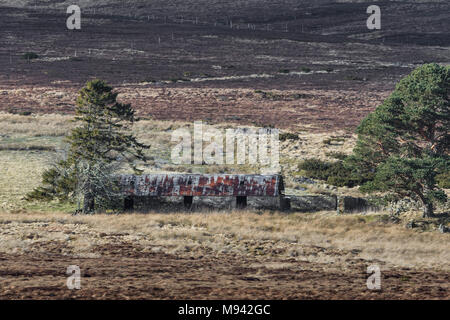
202 185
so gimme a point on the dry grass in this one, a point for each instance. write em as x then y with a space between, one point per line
268 243
35 125
27 142
296 235
20 172
322 238
159 132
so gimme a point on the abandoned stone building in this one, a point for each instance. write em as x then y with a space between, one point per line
215 191
226 192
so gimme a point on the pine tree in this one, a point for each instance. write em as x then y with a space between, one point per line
404 144
101 140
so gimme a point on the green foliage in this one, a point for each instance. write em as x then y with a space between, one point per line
306 69
443 180
405 142
57 182
337 155
105 125
404 176
288 136
101 140
30 56
22 113
334 173
175 80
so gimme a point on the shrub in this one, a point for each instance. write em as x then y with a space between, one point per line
288 136
334 173
30 56
337 155
315 168
22 113
306 69
175 80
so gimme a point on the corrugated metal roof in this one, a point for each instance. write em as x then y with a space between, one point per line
202 185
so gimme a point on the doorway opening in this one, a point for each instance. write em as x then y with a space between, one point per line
128 204
188 201
241 202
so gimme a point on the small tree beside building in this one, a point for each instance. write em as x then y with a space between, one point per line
97 149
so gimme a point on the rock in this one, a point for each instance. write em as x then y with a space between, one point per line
444 229
304 180
411 225
313 202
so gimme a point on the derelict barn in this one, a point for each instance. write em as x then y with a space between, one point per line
193 191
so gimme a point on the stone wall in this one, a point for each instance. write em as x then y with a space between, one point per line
306 203
199 203
313 203
354 205
160 203
229 203
218 203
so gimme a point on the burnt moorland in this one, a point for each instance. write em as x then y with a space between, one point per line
312 65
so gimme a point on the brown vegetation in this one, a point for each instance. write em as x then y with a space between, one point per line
219 255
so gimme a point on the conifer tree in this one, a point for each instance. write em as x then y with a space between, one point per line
404 144
102 140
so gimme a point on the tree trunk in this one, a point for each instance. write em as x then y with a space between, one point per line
427 210
88 203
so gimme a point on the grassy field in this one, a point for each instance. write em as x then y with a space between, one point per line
247 233
31 143
217 255
243 254
308 67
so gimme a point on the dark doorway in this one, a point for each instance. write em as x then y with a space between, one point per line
241 202
188 201
128 203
